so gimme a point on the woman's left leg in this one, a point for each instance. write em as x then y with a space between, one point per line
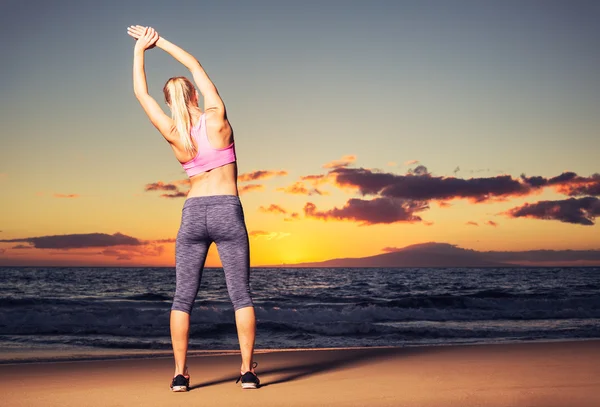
228 230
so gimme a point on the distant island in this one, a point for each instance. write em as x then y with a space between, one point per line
434 254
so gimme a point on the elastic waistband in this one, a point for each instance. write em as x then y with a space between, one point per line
212 200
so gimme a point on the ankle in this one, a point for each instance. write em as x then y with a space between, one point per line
248 367
179 371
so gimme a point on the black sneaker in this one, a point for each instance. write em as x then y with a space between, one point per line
249 379
180 383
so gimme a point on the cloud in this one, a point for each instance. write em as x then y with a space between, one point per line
580 186
172 188
250 187
128 253
298 188
273 208
160 186
22 246
261 174
293 216
370 212
343 162
168 240
471 223
268 235
66 195
77 241
184 181
581 211
419 184
179 194
411 162
315 180
419 170
120 255
418 187
392 164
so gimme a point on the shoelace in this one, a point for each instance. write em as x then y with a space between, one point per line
253 374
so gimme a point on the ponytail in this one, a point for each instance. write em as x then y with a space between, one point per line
179 92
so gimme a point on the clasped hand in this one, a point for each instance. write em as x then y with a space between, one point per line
146 36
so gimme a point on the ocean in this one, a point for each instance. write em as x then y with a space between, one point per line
125 309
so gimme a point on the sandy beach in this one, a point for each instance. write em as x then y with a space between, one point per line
519 374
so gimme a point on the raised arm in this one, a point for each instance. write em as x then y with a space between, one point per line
212 99
159 119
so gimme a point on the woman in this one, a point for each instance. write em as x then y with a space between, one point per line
203 143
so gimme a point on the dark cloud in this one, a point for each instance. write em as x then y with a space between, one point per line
171 188
77 241
581 190
160 186
369 212
580 211
260 174
581 186
568 183
22 246
419 170
178 194
471 223
491 223
366 181
421 185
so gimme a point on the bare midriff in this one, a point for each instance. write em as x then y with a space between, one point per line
218 181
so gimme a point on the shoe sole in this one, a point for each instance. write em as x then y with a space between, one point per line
179 388
249 386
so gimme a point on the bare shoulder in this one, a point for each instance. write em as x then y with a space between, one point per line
217 122
171 134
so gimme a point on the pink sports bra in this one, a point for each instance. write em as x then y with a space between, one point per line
207 157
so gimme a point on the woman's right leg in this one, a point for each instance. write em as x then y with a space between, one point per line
191 248
180 327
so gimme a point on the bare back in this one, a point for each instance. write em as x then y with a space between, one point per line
218 181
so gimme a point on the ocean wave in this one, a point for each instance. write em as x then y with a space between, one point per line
127 319
149 297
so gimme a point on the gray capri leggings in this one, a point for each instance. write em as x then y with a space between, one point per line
207 219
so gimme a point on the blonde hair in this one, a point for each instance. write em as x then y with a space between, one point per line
180 96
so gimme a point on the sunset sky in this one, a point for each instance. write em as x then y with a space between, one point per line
360 127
